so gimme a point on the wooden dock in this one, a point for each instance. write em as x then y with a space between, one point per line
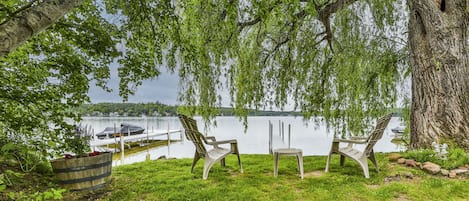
153 135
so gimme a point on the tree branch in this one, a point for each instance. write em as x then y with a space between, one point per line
292 24
33 20
326 11
242 25
257 19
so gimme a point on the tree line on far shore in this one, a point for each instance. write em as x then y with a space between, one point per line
157 109
160 109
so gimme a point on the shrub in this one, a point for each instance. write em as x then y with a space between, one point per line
422 155
455 157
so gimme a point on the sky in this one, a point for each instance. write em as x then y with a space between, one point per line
163 89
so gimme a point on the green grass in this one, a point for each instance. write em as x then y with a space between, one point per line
172 180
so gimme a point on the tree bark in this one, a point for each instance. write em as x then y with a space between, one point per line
20 28
440 84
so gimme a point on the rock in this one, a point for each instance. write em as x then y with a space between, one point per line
161 157
459 171
444 172
452 174
401 160
431 168
394 156
410 163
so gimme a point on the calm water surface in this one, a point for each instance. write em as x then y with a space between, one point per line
312 140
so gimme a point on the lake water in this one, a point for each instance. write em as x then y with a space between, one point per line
312 140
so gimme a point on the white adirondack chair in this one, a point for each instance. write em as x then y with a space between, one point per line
358 155
212 155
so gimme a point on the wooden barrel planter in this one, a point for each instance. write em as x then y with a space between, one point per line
84 173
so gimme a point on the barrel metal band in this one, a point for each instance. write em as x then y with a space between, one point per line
74 169
73 181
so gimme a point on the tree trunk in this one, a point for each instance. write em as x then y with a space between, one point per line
33 20
440 76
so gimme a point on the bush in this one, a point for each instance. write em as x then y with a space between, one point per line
455 157
422 155
27 159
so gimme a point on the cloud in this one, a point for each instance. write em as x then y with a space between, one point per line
163 89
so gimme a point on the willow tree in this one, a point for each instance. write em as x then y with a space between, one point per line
336 59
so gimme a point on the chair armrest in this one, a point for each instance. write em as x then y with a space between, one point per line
351 141
358 138
211 138
222 142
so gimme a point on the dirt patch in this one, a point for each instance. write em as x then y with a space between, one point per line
89 195
314 174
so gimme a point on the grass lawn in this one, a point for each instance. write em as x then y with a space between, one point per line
172 180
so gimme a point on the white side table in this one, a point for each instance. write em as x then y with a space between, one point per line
288 152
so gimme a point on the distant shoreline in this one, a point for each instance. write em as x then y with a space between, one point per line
157 109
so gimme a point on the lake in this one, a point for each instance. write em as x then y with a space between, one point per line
312 140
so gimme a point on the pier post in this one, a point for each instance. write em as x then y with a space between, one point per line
180 135
283 132
115 140
122 148
270 137
169 141
289 135
147 157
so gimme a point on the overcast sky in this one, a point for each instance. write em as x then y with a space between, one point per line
163 89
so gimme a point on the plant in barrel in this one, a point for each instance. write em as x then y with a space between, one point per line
82 171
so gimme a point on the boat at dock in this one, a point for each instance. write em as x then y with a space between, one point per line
125 128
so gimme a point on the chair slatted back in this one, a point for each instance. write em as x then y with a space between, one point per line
377 133
188 124
193 134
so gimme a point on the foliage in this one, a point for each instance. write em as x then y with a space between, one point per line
78 145
21 155
422 155
456 157
127 109
9 178
18 185
174 181
24 155
47 77
50 194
